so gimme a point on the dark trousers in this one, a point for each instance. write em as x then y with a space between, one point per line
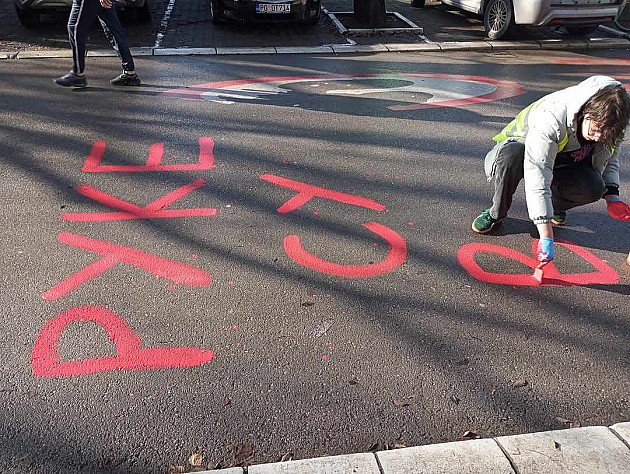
571 186
81 19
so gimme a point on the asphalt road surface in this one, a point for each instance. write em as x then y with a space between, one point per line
257 257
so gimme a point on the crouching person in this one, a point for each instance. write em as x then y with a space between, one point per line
566 148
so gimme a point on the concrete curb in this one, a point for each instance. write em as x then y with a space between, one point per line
485 45
592 450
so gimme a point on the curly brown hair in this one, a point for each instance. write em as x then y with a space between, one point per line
610 108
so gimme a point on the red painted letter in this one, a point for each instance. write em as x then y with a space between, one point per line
395 257
129 211
154 161
46 362
604 274
178 273
306 192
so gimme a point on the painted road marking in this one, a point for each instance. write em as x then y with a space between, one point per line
46 362
410 91
130 211
154 161
604 274
113 254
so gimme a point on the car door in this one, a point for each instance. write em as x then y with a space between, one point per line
473 6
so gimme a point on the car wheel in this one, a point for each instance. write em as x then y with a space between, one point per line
581 30
28 18
498 18
216 14
135 14
144 14
418 3
313 21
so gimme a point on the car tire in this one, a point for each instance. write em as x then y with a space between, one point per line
581 30
418 3
144 14
28 18
216 16
135 14
498 18
314 21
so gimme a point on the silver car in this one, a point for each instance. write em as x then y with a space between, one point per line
579 17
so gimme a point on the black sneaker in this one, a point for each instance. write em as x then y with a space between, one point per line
559 218
126 80
484 222
71 80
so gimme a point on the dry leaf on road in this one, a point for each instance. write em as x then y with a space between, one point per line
195 459
471 435
400 403
243 451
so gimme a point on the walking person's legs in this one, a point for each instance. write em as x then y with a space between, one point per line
115 34
82 16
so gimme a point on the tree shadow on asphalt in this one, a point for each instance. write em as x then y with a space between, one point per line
390 309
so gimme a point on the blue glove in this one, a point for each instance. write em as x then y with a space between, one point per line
545 252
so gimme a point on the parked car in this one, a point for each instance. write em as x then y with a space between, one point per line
28 11
579 17
305 11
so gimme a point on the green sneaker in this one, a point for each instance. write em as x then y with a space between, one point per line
559 218
484 222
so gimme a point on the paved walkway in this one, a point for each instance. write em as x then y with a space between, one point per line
589 450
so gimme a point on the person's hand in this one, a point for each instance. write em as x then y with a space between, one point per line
545 251
106 3
617 209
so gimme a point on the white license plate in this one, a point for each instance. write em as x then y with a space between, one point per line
273 8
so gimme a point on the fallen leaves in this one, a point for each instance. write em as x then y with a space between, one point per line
195 459
322 328
237 455
386 446
567 423
241 452
520 383
471 435
401 402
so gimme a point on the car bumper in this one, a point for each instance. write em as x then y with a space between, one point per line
542 13
44 4
66 4
246 11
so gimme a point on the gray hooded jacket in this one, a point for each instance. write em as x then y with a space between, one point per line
548 127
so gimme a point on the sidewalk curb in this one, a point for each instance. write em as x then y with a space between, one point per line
592 450
484 45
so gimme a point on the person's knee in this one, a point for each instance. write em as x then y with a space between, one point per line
505 157
593 191
578 186
591 184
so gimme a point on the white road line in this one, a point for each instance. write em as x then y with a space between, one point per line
164 24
